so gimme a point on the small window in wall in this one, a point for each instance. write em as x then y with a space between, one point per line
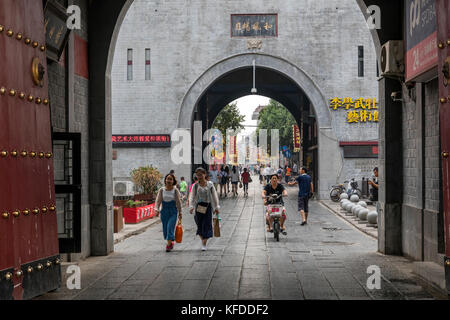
360 61
148 75
130 65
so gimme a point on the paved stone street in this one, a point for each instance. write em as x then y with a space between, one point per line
327 259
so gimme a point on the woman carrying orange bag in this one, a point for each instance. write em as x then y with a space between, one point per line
169 199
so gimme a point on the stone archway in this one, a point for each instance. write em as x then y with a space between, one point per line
330 159
105 20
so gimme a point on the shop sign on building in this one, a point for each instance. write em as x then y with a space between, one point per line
141 141
297 144
421 39
359 110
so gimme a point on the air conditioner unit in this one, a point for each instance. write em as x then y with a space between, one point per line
123 189
393 59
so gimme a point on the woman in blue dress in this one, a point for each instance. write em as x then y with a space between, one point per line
168 203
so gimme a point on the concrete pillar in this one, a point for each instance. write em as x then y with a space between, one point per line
390 170
104 19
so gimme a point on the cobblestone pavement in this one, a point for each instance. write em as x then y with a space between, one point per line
326 259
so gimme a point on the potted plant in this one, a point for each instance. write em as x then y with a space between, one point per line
147 181
138 211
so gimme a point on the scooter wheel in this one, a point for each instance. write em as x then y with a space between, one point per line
276 231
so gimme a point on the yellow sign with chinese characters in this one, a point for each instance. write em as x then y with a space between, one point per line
359 110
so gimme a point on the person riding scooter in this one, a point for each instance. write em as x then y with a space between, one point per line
275 188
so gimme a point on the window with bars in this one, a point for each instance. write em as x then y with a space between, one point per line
148 74
130 65
360 61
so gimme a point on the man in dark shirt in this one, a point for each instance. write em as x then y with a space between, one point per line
305 189
275 188
374 184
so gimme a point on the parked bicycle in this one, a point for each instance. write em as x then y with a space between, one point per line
349 187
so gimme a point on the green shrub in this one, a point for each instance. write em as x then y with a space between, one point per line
146 179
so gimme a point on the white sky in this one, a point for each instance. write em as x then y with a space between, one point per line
246 106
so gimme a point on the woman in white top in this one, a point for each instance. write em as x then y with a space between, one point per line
169 198
204 200
235 179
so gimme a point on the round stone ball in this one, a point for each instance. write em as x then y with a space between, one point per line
362 204
343 203
343 196
354 209
350 207
347 206
372 217
363 214
357 212
354 198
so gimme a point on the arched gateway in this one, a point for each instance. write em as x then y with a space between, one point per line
330 159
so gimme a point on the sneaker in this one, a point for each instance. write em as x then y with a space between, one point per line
169 248
203 248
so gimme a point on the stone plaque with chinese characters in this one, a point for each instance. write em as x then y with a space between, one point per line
254 25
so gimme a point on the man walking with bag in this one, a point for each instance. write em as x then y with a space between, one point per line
305 191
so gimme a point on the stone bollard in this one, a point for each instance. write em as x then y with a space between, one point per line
372 219
363 215
363 204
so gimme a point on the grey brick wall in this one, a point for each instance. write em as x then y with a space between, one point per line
411 172
432 146
57 95
79 123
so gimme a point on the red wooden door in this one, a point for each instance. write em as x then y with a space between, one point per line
443 26
29 261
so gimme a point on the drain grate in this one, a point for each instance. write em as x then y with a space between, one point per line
331 228
338 243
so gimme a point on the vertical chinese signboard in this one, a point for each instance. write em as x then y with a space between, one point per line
233 150
421 39
296 138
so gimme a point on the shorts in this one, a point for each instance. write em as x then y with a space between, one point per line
235 182
303 204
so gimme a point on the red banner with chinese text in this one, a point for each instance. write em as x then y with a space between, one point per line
296 134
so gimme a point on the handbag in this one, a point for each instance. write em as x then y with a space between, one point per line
179 232
202 209
240 185
216 227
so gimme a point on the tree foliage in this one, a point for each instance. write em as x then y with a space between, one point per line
276 116
229 118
